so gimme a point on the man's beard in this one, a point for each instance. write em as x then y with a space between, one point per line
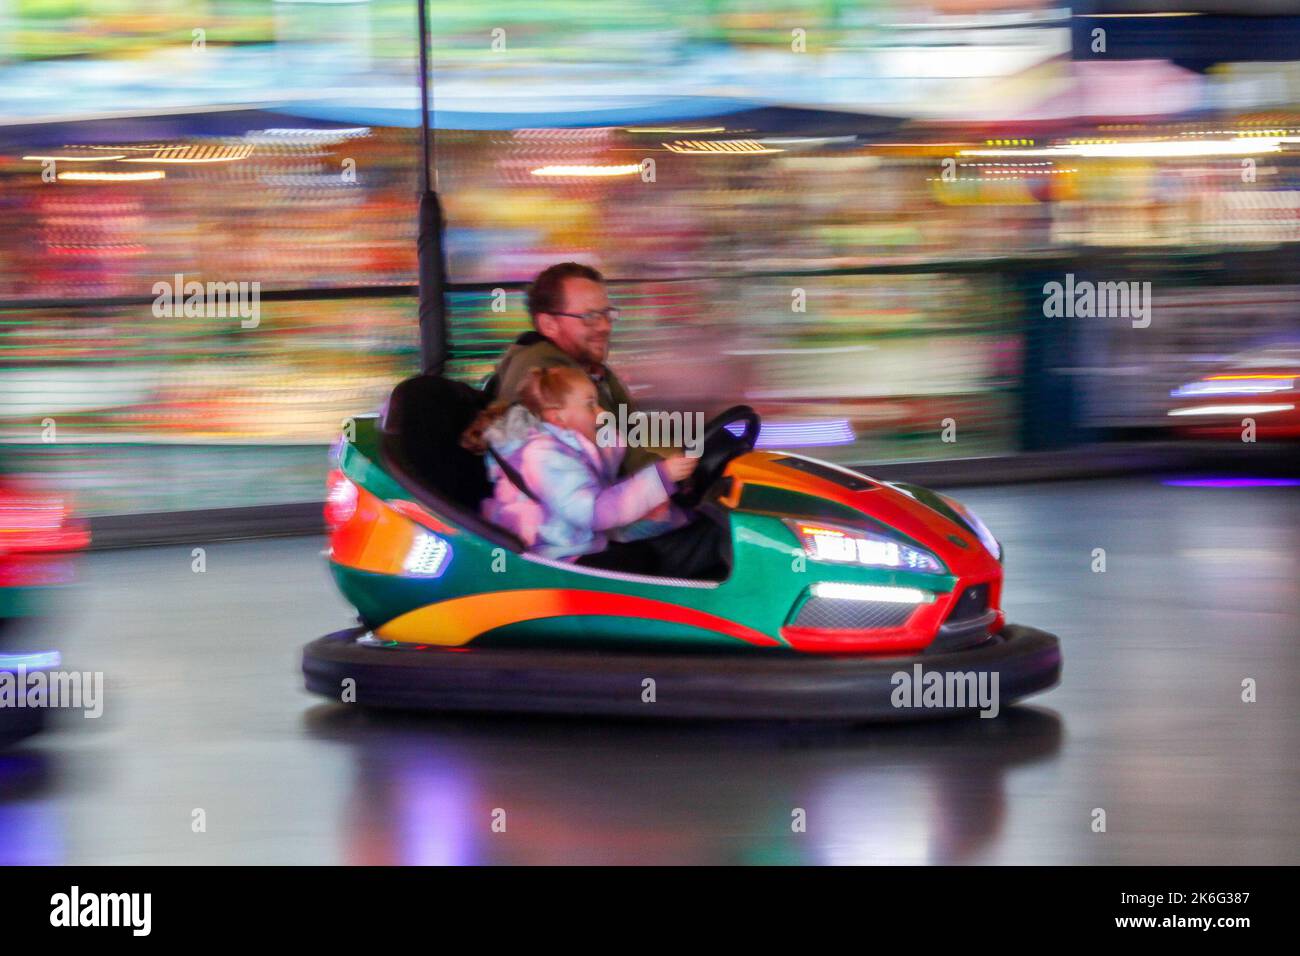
595 354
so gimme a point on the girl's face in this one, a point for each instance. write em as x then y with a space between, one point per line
579 410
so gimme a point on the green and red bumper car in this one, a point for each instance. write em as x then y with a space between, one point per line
836 584
1261 386
39 537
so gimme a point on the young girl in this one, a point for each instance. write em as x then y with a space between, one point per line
574 503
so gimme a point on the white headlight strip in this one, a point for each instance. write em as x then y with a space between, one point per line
885 593
1231 409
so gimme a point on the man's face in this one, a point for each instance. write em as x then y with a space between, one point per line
582 342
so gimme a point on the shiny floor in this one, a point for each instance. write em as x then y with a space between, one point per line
204 711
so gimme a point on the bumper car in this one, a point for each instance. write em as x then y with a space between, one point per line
843 598
835 585
1259 385
38 536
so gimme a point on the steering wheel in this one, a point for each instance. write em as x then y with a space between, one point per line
720 447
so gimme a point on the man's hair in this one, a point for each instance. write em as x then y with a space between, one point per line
546 292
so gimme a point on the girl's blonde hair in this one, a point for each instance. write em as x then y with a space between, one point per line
542 388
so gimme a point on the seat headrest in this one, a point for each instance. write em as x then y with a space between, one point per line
419 396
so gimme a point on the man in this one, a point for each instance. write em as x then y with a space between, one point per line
572 322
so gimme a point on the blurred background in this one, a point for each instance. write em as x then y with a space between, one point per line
843 213
846 214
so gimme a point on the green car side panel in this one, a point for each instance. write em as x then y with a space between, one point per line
25 601
359 460
770 575
578 630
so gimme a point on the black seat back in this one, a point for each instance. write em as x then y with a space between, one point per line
422 425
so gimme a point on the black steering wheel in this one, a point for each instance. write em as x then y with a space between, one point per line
720 447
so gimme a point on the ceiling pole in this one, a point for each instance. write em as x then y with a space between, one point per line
429 245
426 164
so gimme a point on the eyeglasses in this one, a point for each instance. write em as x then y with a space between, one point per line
588 318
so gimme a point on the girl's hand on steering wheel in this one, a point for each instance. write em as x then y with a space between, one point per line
679 467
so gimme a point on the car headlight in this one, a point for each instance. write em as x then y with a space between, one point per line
843 545
428 557
981 530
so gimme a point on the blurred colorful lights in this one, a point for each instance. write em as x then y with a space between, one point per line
1231 409
622 169
31 662
835 431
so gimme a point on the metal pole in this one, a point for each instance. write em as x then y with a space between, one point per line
426 183
429 248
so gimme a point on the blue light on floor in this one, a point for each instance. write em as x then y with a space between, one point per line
1232 482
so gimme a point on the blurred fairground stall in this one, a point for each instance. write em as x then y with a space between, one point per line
844 214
